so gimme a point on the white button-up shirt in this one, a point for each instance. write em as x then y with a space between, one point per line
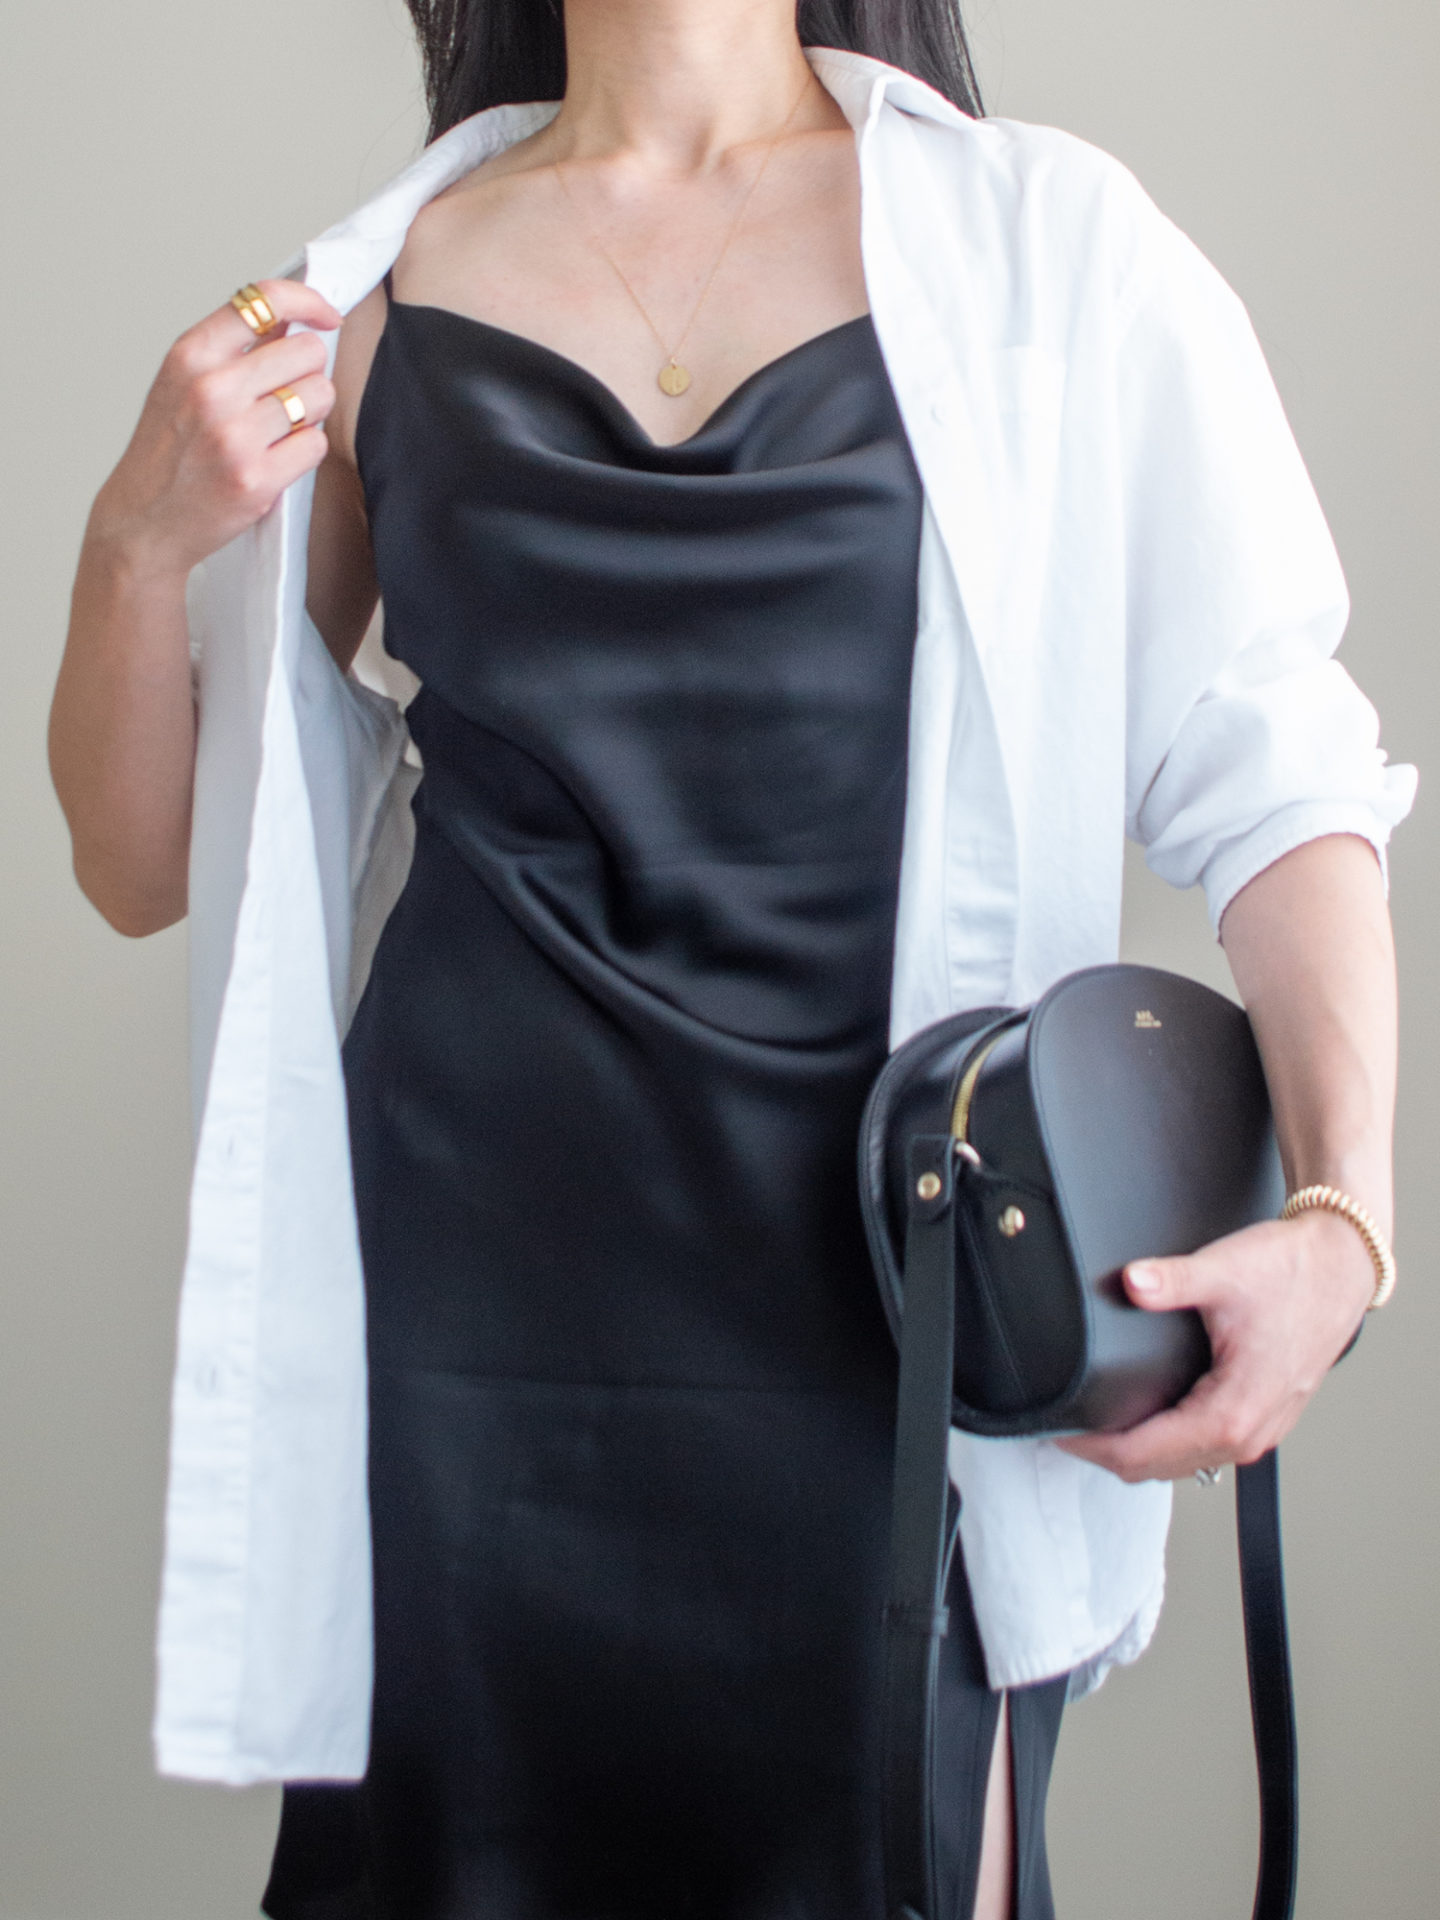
1128 605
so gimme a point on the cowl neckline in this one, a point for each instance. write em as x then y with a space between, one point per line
560 366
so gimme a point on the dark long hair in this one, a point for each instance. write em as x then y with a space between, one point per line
481 53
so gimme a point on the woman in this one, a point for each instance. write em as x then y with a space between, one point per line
802 605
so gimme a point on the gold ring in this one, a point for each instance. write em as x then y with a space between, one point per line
294 406
253 308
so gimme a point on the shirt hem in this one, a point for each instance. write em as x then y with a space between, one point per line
1085 1666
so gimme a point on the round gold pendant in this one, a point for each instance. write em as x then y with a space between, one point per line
674 379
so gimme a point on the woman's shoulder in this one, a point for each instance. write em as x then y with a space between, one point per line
453 241
1061 212
996 153
1055 173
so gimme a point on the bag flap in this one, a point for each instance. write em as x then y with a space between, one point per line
1153 1110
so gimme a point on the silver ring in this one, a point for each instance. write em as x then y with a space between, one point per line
1208 1476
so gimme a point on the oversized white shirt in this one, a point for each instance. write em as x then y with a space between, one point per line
1128 603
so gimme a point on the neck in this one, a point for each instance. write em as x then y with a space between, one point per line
675 83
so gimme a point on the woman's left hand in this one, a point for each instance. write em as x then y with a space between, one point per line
1309 944
1280 1301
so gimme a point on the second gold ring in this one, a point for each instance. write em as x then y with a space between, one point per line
294 406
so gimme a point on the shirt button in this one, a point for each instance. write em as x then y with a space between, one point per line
207 1380
939 411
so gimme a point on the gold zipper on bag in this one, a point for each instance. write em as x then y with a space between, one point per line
965 1093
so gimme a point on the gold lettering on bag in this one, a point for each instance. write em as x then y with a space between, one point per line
1144 1018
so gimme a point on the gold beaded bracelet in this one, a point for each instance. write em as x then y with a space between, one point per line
1332 1200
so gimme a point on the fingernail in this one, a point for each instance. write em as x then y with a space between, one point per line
1143 1279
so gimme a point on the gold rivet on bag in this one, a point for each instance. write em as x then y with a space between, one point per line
928 1186
1011 1222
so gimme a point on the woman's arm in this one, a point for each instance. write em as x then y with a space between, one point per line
1310 947
211 454
122 732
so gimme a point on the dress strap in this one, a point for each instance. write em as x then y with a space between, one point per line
389 289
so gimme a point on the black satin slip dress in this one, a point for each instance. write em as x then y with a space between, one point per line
632 1393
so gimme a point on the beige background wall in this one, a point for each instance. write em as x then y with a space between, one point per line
157 155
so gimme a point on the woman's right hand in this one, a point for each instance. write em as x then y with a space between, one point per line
214 449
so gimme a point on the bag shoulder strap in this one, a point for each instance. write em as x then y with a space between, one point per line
923 1519
1272 1701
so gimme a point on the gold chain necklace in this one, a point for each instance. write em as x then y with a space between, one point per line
673 377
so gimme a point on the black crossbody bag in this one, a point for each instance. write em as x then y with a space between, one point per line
1011 1163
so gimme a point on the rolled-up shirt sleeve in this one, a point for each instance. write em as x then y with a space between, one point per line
1245 736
